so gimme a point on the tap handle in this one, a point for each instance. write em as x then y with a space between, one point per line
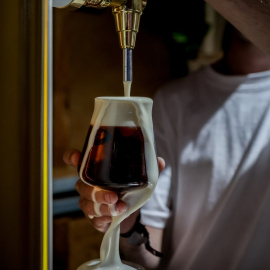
74 4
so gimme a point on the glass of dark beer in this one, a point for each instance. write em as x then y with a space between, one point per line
119 155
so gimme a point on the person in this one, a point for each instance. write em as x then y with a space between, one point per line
250 17
211 207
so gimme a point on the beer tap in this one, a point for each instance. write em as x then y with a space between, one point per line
127 15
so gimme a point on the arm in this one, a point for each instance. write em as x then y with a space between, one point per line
154 214
139 254
251 17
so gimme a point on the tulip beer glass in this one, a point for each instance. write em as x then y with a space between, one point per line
119 155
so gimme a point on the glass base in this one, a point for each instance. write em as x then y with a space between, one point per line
125 266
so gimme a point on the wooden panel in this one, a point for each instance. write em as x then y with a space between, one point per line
75 242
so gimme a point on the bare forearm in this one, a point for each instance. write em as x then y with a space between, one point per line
251 17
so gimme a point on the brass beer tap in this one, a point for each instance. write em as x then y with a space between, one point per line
127 15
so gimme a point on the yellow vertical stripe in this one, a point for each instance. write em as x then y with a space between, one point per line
45 202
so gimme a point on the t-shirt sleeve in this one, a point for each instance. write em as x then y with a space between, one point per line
156 211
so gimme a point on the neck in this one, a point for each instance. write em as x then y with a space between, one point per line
243 58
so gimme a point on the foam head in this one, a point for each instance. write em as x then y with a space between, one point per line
121 111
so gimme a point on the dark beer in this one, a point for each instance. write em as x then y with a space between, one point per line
116 160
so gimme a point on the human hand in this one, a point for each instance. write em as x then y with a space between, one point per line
100 205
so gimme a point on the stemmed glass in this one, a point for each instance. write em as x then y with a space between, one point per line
119 155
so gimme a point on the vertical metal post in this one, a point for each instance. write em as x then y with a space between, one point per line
46 130
26 134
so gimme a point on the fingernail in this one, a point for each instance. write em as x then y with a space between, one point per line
120 207
114 212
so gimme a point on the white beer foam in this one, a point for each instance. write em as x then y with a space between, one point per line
119 111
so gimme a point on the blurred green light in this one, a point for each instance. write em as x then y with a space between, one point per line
179 37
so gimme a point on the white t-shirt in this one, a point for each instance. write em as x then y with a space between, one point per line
213 197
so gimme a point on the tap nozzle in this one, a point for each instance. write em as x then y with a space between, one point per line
127 20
